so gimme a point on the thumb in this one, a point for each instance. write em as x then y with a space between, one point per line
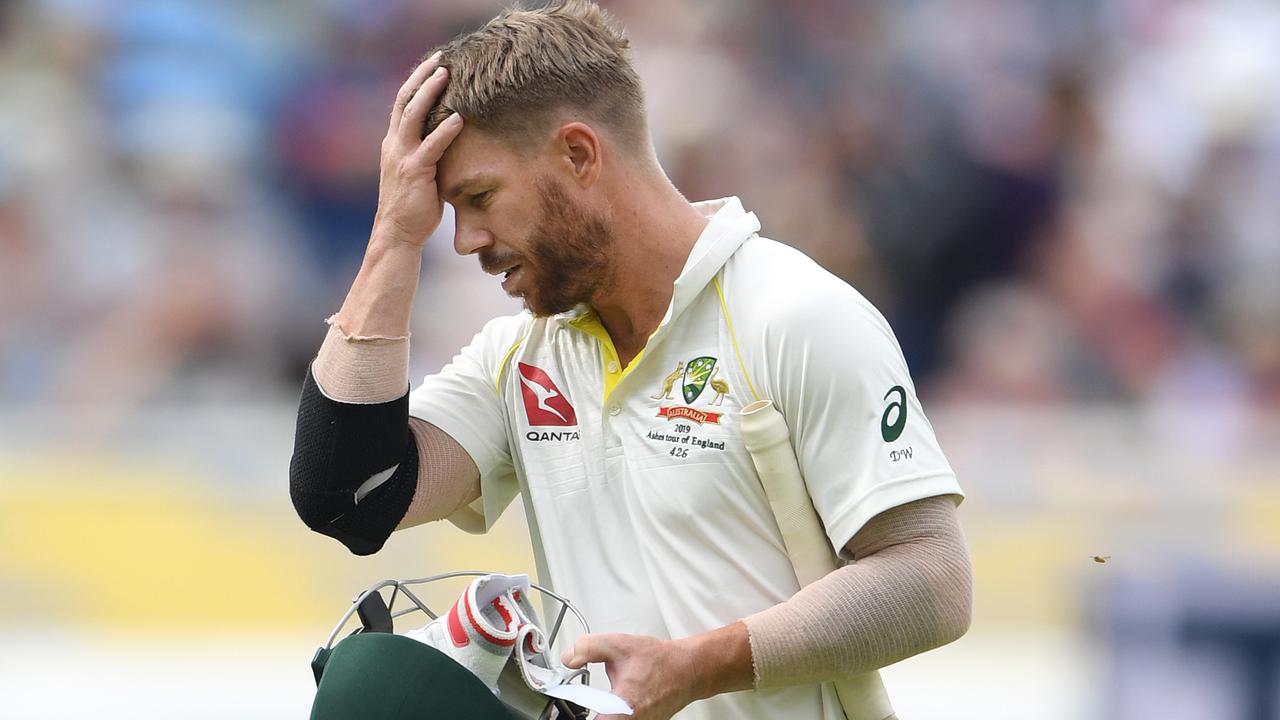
587 649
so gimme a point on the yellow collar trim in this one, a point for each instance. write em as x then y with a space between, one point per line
614 372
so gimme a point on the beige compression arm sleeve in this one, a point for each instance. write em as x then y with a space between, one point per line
909 589
357 369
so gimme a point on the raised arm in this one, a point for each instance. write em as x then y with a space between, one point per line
360 467
409 210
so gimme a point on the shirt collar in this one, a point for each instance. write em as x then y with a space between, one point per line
730 226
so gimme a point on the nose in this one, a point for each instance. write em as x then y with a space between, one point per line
468 239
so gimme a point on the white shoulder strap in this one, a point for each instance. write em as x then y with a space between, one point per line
767 439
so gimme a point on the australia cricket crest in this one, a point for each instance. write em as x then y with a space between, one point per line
693 377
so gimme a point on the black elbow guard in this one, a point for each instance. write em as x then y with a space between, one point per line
354 468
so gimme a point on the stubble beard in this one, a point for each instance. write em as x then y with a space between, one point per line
569 254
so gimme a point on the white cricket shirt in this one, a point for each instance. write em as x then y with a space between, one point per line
646 509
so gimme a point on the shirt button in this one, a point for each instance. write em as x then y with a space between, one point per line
613 367
614 409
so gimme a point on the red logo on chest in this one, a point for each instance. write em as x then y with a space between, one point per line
688 413
544 404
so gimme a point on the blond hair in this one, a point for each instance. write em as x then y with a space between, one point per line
511 75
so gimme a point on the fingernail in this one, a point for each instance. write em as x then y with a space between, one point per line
439 71
435 56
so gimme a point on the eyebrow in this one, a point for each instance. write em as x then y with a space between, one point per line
463 185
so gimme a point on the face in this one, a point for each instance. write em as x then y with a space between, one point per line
522 223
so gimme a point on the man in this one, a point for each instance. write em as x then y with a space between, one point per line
610 406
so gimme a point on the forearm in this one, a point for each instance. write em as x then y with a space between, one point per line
720 661
361 369
365 354
909 590
380 301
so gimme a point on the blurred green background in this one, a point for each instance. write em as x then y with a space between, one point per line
1068 211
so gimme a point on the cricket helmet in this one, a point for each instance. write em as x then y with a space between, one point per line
375 674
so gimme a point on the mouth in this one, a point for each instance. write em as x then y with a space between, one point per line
510 277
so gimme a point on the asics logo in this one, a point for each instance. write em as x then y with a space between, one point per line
544 404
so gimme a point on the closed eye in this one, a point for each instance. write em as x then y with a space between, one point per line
480 199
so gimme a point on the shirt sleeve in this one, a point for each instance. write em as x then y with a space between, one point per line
464 401
833 366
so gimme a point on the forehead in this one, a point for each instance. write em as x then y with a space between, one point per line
476 154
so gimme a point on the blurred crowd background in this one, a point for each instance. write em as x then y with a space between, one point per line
1069 211
1051 201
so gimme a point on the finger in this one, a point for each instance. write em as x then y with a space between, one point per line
434 145
431 90
410 86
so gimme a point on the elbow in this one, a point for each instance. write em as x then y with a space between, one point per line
353 470
318 510
362 529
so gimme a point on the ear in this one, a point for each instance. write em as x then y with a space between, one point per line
579 149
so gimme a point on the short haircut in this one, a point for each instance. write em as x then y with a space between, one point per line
511 75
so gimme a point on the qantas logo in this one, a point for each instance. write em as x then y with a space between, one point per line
544 404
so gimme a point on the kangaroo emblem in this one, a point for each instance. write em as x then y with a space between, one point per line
543 395
721 386
670 382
